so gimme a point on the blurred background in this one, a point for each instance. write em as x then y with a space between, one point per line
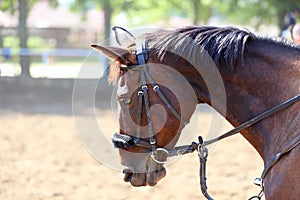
44 44
46 35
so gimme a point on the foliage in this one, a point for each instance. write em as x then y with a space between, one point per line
23 7
83 6
245 12
256 12
199 11
150 12
12 5
33 42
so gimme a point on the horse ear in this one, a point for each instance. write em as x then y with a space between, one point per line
114 53
123 37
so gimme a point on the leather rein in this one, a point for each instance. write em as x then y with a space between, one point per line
127 141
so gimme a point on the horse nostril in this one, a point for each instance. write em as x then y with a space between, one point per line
127 175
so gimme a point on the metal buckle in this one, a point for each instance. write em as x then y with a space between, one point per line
124 67
144 87
159 150
156 88
152 141
258 182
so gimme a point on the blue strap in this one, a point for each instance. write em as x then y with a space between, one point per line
142 52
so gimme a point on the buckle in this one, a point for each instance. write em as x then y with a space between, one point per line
144 87
156 88
152 141
162 150
258 182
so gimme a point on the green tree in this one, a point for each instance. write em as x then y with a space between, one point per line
23 8
199 11
149 12
256 12
282 8
108 6
134 9
244 12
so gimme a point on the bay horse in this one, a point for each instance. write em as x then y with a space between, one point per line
238 73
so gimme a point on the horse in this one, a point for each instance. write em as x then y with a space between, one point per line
237 72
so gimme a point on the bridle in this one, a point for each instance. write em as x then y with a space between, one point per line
123 141
127 141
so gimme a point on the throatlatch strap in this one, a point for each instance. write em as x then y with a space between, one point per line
164 99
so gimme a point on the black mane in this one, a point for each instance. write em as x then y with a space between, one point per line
224 45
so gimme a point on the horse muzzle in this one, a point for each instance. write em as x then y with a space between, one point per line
144 179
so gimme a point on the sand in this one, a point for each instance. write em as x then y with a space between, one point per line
42 155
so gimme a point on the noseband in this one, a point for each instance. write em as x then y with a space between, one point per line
123 141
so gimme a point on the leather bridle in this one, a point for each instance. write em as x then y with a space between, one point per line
128 141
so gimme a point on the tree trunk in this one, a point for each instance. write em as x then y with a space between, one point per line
1 38
107 21
196 6
107 29
23 36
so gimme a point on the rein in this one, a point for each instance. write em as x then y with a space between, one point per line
127 141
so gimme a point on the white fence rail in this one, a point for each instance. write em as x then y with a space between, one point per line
88 63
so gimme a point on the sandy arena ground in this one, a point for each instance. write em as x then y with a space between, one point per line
42 157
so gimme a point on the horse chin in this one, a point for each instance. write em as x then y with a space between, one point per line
144 179
154 177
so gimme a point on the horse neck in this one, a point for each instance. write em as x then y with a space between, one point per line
270 76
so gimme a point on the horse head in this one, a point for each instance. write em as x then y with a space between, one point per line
155 103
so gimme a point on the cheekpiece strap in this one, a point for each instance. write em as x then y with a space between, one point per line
142 52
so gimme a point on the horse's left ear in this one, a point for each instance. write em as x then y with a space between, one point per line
124 56
123 37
